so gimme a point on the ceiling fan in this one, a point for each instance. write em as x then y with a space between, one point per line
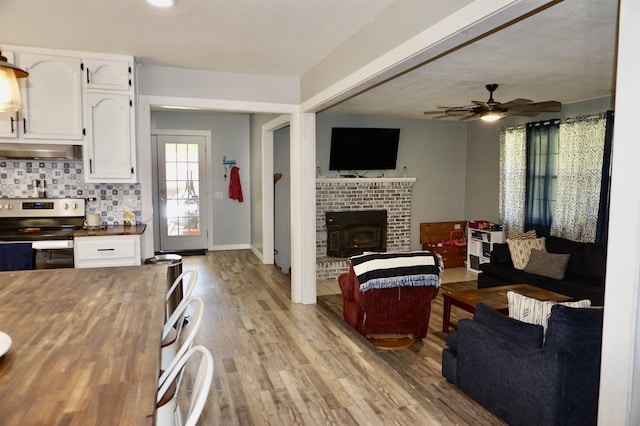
492 110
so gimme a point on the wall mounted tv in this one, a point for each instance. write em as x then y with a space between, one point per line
361 148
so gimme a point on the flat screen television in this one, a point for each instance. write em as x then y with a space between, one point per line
362 148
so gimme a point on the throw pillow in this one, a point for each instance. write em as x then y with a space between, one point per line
529 235
500 253
520 250
552 265
534 311
568 326
529 334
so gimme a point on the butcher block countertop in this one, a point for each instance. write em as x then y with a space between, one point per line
111 230
86 345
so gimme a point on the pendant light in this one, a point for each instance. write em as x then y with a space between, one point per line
9 90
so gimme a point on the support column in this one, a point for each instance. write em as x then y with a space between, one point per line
303 207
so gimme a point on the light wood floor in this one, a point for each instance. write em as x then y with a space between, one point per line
280 363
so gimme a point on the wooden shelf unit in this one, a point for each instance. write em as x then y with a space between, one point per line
431 233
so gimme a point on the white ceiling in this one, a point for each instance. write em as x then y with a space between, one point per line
565 53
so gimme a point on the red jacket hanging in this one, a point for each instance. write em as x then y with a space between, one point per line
235 189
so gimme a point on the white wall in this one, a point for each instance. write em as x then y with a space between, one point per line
230 137
434 152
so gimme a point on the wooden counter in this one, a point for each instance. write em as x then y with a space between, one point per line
111 230
86 345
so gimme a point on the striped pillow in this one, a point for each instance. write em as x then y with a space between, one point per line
529 235
534 311
520 250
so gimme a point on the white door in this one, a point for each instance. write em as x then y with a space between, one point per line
182 196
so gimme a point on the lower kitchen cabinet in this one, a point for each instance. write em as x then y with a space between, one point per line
113 250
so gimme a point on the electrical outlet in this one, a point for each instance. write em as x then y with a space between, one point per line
218 194
456 226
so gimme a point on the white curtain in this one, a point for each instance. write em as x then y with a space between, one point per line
513 176
580 159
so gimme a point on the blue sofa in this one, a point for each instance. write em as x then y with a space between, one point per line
584 277
509 368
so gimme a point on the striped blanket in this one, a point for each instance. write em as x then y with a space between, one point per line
386 270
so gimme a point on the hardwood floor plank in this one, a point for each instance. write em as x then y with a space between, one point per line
280 363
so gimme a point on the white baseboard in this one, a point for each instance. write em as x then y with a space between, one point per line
258 253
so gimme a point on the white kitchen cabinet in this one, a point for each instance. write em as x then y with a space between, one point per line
107 74
110 154
51 98
106 251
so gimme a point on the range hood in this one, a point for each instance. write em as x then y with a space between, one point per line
40 151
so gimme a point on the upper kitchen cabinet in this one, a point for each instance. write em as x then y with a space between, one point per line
110 154
108 74
51 101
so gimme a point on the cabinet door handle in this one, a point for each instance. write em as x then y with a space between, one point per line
24 124
12 127
107 249
88 81
90 166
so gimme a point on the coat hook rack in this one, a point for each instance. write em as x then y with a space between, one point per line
226 162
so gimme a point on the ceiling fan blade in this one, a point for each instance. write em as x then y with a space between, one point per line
516 102
547 106
471 117
433 112
482 104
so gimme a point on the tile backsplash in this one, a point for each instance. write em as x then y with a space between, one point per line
65 179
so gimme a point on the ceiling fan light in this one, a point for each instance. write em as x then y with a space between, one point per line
491 116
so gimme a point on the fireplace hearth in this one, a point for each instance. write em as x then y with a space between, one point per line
353 232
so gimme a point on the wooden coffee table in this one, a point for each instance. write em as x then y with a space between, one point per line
494 297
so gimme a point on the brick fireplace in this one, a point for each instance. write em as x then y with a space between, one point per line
362 194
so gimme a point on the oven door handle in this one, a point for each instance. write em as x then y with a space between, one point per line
52 245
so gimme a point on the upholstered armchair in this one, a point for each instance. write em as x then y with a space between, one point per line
524 378
390 293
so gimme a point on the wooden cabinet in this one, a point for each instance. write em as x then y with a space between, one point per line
115 250
480 245
434 233
110 155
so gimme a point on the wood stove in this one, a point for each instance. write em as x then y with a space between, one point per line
353 232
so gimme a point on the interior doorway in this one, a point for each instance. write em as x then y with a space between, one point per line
180 190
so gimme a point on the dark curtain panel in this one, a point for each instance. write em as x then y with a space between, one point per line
542 158
602 232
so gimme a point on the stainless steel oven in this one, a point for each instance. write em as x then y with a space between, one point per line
41 228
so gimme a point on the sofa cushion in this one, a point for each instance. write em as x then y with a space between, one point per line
529 334
520 250
568 326
536 311
529 235
595 260
574 248
552 265
500 254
